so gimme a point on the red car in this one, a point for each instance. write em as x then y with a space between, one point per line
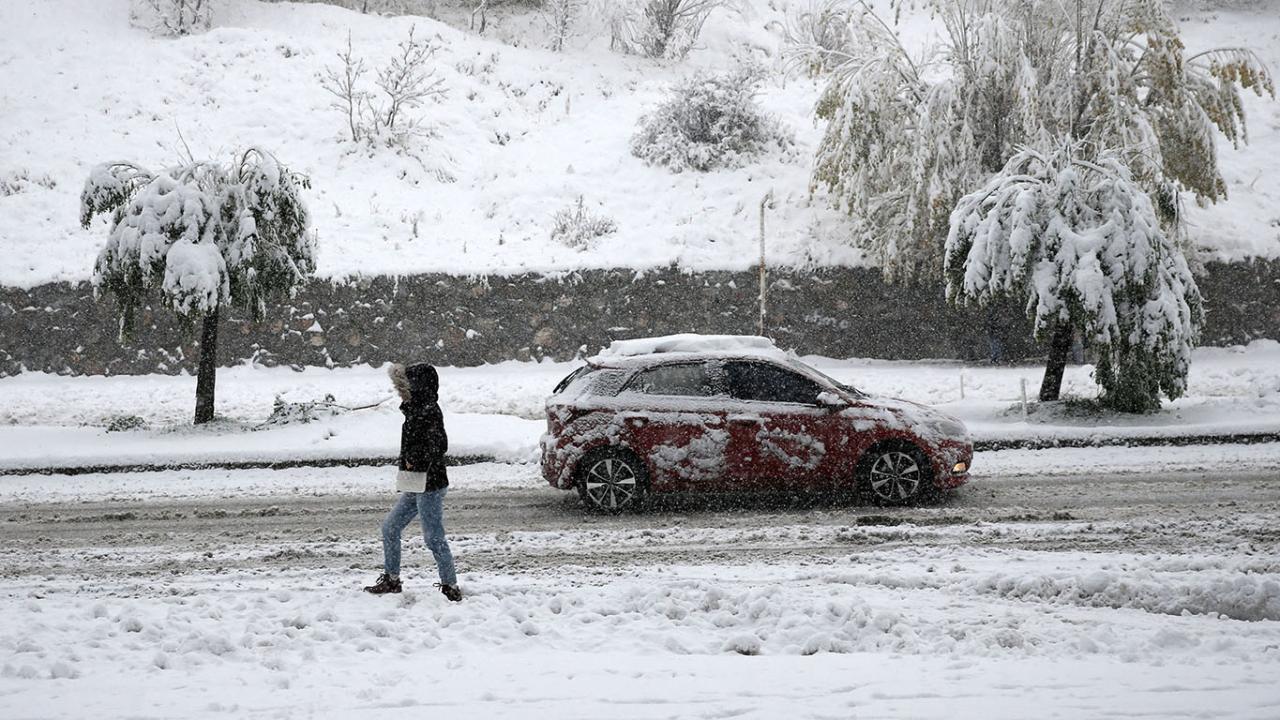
733 413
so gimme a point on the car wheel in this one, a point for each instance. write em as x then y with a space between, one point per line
896 475
612 481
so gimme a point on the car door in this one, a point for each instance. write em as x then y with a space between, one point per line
780 437
675 421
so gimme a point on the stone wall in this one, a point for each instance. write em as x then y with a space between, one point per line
450 320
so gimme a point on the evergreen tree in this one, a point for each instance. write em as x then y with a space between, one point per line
200 236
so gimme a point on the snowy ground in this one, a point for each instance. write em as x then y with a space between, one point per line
496 410
1032 596
522 133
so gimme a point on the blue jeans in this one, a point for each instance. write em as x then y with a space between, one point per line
429 506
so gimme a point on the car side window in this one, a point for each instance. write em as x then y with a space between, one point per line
684 379
770 383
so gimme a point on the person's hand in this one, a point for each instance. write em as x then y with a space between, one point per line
408 466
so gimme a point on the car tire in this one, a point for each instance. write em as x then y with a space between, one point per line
895 474
612 481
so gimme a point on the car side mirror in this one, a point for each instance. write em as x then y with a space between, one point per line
831 401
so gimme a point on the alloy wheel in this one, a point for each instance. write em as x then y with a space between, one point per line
611 484
895 476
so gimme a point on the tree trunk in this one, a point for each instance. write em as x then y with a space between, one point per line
208 367
1059 346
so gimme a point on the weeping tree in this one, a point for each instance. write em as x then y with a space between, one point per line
1082 243
199 237
908 137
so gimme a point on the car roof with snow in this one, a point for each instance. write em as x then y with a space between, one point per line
686 347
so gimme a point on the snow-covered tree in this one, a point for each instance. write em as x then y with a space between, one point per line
172 17
391 116
562 17
200 236
708 121
1082 243
908 135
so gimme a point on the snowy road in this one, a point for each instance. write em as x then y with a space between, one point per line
335 531
1078 596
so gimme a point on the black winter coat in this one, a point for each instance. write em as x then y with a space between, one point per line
423 441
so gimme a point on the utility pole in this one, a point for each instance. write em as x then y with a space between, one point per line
764 292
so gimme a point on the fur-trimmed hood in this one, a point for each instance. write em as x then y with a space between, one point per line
418 383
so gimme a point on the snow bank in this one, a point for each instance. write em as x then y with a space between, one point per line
498 410
577 642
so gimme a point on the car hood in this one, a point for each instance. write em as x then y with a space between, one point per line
927 422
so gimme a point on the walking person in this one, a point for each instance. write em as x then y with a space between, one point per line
422 481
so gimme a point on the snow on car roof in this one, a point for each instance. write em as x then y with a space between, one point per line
686 345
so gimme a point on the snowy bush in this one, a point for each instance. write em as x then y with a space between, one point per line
388 116
200 236
1081 242
20 180
657 28
708 121
819 36
284 412
173 18
427 8
577 227
125 423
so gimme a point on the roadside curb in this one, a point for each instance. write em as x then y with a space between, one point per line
1119 441
457 460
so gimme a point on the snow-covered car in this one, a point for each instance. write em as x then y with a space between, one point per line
735 413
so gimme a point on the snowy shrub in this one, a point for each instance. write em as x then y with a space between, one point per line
819 36
13 182
577 227
200 236
427 8
284 412
125 423
173 18
386 117
708 121
1081 242
657 28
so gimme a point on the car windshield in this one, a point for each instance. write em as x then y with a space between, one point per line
591 380
843 386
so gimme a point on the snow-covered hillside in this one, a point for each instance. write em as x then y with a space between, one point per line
521 134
